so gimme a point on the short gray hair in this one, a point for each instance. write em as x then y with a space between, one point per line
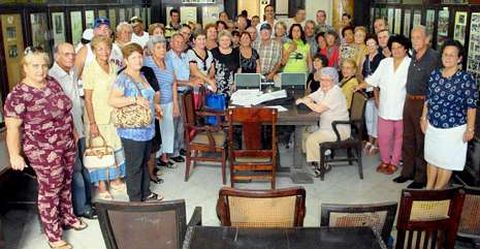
420 28
154 40
124 25
331 73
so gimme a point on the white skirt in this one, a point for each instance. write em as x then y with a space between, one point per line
445 148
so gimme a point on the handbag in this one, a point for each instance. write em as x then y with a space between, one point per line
216 102
132 116
100 156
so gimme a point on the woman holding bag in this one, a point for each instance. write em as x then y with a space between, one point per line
98 78
131 88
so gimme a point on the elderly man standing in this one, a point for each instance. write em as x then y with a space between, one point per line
424 61
322 25
139 35
123 37
64 72
269 51
179 61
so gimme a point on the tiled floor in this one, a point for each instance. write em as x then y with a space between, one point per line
341 185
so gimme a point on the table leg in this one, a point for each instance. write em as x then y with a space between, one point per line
299 173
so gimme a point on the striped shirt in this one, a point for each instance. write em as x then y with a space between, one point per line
165 78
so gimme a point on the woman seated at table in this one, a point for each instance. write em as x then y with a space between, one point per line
330 102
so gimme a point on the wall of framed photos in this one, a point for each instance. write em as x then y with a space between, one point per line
459 20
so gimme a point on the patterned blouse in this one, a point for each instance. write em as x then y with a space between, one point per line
125 84
448 99
45 113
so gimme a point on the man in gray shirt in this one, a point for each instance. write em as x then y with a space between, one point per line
424 61
66 75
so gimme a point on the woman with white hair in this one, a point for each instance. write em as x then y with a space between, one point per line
157 46
331 104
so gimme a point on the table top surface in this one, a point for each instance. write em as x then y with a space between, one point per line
288 238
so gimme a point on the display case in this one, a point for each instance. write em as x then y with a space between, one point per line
58 29
407 20
473 58
443 26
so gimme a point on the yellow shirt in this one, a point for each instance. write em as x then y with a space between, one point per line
100 82
347 89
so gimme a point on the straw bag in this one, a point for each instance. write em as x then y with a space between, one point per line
100 156
132 116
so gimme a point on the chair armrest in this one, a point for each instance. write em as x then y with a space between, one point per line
340 122
196 219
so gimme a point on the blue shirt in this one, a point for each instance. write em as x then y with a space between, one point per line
448 99
180 65
165 78
125 84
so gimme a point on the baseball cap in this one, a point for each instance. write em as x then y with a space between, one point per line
101 21
87 34
135 20
265 26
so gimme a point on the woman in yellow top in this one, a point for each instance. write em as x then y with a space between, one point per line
349 81
296 54
98 79
359 37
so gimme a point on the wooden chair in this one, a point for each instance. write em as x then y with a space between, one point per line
429 218
203 142
144 225
252 158
469 227
261 208
378 216
354 143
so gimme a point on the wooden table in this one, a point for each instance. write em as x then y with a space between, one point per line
199 237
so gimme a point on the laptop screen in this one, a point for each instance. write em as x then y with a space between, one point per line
293 80
247 80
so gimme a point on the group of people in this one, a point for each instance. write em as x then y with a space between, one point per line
53 114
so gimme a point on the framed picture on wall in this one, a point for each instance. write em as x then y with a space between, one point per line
407 15
460 26
430 21
390 19
417 17
40 34
112 16
58 27
89 18
121 15
398 21
76 26
442 32
473 59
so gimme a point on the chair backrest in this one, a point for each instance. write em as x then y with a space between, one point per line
251 120
188 112
378 216
426 216
142 225
469 226
248 80
357 111
261 208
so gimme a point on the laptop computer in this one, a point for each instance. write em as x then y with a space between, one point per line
248 80
295 81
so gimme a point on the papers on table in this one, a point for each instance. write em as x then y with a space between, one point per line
250 97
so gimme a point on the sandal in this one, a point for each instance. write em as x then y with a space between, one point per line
64 245
104 195
156 180
373 150
78 226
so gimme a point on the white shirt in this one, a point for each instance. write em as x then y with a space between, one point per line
336 103
68 82
140 40
392 86
116 56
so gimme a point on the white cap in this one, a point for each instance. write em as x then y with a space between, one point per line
87 34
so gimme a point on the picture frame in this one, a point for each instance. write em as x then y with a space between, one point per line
407 15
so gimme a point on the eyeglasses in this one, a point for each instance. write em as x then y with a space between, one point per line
32 50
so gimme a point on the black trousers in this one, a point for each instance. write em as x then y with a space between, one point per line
137 179
414 165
